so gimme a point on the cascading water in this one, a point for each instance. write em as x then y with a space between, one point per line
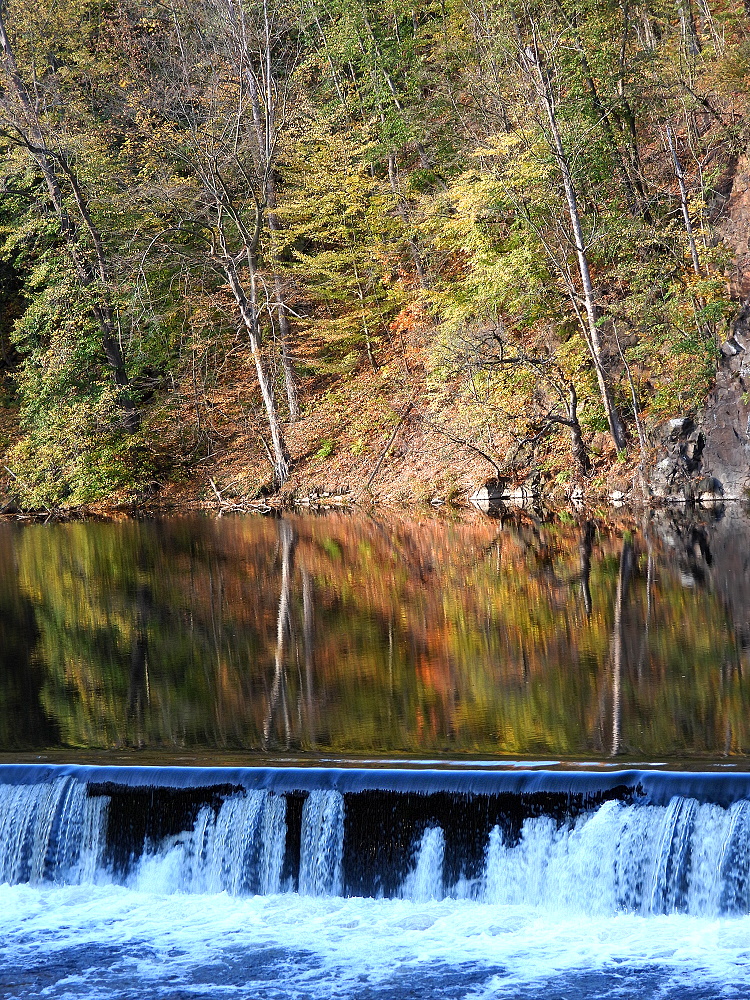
322 844
425 882
51 831
601 857
684 857
238 849
392 883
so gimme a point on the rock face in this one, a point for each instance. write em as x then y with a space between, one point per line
709 457
726 421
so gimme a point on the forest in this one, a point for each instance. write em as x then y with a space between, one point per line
251 244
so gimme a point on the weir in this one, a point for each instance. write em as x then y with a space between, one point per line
646 842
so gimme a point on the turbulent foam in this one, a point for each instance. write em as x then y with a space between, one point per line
425 881
239 849
248 899
648 860
106 942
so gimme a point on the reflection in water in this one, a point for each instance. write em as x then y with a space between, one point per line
618 639
283 629
353 634
138 693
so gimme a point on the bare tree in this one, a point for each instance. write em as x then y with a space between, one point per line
538 72
225 103
487 351
260 37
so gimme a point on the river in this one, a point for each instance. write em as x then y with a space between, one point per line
437 755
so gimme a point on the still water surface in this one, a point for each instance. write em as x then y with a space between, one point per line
379 637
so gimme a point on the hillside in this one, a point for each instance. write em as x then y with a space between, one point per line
280 248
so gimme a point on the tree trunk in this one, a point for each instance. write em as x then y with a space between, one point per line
689 29
249 316
403 211
589 296
285 332
578 446
683 200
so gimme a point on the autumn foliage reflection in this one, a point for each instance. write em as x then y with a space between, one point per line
369 635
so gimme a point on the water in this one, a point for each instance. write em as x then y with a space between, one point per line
344 636
247 890
523 662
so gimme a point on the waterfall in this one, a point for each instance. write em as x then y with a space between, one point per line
425 881
734 861
322 844
562 852
640 859
238 850
50 831
669 878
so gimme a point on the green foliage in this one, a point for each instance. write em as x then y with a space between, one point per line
423 159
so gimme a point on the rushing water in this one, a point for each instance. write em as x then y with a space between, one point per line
175 883
485 648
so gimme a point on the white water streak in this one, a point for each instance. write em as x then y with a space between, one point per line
50 831
322 846
618 858
681 858
425 881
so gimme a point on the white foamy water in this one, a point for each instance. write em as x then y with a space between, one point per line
322 846
425 880
239 849
51 830
623 901
105 942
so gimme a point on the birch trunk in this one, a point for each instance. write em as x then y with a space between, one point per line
616 428
679 174
285 333
250 321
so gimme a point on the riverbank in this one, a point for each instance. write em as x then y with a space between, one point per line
386 436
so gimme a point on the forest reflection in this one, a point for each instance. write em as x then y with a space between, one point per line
359 635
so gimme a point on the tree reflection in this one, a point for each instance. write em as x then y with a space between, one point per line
283 633
358 635
618 639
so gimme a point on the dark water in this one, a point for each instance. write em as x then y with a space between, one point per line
379 637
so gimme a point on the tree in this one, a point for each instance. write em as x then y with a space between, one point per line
26 123
538 68
225 109
342 243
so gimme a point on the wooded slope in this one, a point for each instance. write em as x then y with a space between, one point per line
241 239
